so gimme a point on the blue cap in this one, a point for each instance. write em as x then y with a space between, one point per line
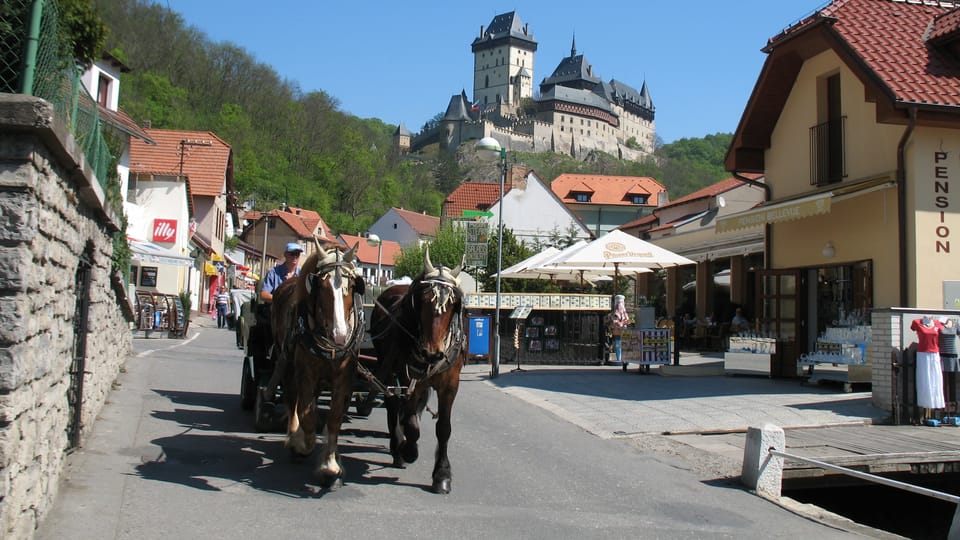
293 247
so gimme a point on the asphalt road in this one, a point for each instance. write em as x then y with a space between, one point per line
173 456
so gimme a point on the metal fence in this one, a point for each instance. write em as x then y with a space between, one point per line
34 62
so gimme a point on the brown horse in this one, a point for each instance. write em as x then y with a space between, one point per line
418 333
317 321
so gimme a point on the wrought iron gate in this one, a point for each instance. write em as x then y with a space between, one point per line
78 365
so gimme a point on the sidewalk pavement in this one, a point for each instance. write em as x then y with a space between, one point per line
682 404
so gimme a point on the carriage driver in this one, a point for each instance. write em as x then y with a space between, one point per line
279 273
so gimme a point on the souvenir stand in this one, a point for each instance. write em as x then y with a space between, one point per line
560 329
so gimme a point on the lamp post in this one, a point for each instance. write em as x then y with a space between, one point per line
374 240
489 148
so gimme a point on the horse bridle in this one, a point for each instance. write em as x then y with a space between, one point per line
455 335
321 345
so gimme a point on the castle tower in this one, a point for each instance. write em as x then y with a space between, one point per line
401 140
503 63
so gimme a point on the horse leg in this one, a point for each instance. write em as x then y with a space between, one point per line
446 393
329 469
302 410
410 421
393 404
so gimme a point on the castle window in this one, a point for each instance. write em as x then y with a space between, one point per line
561 128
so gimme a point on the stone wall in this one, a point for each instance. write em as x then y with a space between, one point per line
52 216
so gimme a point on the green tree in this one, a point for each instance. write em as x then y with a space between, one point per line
447 248
82 32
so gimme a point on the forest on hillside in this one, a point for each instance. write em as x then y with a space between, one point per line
298 147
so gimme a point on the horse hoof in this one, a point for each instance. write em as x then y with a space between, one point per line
398 463
331 482
409 453
441 486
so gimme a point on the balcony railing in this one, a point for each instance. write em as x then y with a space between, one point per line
828 163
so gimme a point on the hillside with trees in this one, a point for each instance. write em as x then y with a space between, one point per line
298 147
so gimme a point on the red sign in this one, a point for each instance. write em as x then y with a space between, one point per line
164 230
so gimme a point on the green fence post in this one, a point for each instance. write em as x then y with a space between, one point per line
33 45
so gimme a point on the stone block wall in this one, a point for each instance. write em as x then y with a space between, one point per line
52 215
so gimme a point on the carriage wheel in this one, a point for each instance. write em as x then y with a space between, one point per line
248 388
264 413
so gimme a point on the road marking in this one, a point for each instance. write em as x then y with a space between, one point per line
174 346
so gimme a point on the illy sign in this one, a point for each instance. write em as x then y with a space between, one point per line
164 230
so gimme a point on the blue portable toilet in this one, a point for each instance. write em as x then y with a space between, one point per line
478 339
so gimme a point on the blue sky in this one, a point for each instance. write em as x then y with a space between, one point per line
401 61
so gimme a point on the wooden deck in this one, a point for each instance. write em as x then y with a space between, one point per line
877 449
874 449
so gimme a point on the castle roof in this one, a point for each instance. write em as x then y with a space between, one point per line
575 95
620 92
574 71
505 27
402 131
458 108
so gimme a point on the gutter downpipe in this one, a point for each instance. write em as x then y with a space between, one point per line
766 226
902 202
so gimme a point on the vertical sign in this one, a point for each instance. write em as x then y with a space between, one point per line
476 249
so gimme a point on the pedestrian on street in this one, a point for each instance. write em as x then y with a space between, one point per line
223 303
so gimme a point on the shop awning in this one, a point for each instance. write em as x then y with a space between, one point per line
210 269
811 205
774 213
148 252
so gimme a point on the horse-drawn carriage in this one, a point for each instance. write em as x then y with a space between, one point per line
312 345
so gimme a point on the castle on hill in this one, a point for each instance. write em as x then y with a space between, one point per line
573 112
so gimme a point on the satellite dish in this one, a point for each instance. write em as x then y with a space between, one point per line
721 202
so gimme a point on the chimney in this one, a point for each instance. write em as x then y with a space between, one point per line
481 31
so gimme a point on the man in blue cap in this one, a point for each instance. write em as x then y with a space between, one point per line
279 273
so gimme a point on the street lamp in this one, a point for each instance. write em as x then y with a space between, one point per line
374 240
489 149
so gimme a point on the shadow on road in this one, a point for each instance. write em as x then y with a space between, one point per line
217 450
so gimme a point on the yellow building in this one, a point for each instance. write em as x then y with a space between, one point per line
856 128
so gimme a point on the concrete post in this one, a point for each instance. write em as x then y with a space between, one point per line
761 471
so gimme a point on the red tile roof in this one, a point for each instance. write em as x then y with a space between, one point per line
205 167
890 38
472 196
424 224
712 190
367 254
608 190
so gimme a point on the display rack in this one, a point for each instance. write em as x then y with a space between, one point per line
840 355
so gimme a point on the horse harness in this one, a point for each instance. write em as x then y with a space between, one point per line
320 345
444 293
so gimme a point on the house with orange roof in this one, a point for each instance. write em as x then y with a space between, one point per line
854 121
405 227
180 186
536 216
604 202
271 231
376 259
